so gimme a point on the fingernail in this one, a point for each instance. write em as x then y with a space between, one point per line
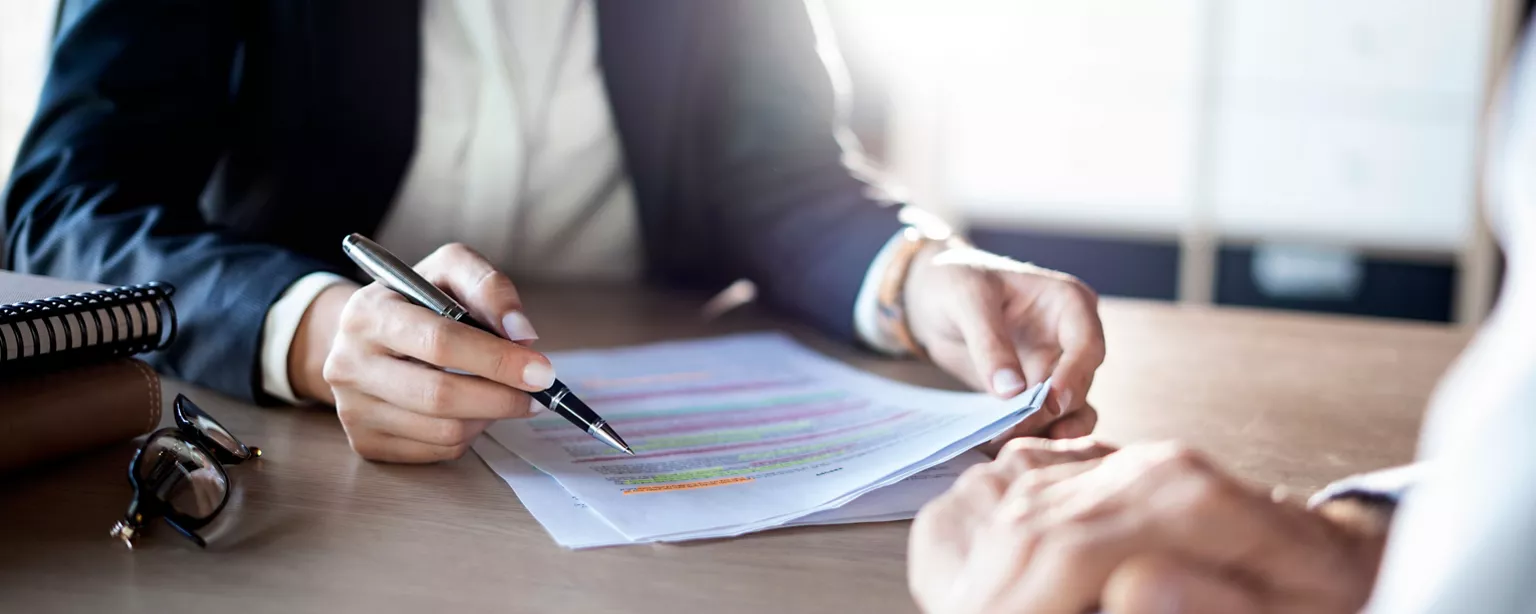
538 375
1007 382
536 408
1063 401
518 327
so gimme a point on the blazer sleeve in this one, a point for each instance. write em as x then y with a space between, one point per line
129 127
796 216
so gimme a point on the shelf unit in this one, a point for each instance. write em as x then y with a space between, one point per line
1212 122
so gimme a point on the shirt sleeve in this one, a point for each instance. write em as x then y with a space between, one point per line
281 324
1387 485
866 308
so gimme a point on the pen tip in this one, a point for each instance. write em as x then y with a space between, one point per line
607 435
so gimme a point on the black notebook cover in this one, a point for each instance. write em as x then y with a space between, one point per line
46 322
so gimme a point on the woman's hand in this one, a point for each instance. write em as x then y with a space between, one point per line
411 386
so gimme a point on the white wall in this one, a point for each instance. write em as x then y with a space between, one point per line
1348 122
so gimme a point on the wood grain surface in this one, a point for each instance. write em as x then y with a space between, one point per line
1281 398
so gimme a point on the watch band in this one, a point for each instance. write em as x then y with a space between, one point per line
892 308
922 230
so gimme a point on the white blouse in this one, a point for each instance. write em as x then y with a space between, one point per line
516 156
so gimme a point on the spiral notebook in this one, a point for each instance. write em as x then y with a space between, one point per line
49 322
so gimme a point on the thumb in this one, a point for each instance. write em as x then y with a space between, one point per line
1151 584
1082 351
989 341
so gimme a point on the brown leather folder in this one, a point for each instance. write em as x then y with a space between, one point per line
53 414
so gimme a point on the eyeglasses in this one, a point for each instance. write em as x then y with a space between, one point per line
178 474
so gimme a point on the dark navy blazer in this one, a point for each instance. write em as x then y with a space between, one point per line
226 146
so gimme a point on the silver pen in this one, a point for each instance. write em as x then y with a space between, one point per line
385 268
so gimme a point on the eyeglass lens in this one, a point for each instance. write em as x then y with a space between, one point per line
182 476
216 431
211 428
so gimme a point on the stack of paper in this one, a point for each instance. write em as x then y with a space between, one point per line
738 434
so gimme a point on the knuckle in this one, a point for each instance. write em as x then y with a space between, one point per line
488 285
450 433
1019 512
1198 496
454 251
1077 288
436 394
1065 547
354 315
980 481
366 447
364 301
371 293
1089 295
1189 479
445 258
1023 532
504 367
1184 459
1027 534
1013 450
1204 486
349 414
1023 451
337 370
434 343
1026 503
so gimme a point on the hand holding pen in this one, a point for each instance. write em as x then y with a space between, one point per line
387 363
385 268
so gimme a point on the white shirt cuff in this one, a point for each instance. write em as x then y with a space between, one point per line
866 308
1390 484
281 325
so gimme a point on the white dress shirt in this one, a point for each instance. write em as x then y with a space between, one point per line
1464 537
1461 540
516 156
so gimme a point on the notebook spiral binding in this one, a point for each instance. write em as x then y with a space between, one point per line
88 326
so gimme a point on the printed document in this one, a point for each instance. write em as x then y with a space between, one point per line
743 433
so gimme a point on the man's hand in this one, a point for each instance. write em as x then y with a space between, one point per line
1002 326
383 361
1151 529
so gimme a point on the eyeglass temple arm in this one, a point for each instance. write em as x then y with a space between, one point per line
188 533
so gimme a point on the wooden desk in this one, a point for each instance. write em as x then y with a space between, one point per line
1287 399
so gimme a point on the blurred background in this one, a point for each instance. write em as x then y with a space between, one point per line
1303 154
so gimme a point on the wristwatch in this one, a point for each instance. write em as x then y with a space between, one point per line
922 230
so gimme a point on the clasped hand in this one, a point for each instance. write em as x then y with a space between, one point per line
1065 527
